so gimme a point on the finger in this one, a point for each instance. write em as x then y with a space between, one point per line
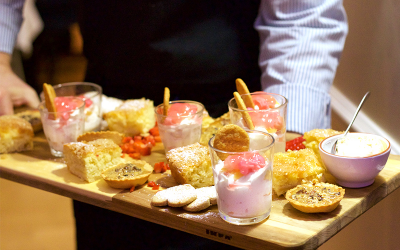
6 106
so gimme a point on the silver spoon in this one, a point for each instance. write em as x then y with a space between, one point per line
333 150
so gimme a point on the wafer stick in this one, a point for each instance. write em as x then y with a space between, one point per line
241 87
49 96
166 101
245 114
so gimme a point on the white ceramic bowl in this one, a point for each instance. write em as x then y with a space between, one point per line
353 172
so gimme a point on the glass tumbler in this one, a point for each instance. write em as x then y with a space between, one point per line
269 116
63 126
243 180
91 93
182 125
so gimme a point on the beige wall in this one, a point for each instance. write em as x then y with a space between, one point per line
371 60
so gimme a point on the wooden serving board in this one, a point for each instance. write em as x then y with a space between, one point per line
284 228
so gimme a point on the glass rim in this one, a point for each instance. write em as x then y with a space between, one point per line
201 111
42 106
257 110
256 150
68 84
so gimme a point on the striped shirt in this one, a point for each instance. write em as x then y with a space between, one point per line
301 43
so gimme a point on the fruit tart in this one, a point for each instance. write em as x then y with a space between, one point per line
315 197
127 174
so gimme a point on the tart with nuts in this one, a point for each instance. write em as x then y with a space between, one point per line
315 197
127 174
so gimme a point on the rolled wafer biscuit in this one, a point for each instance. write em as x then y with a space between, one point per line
166 101
241 87
49 96
245 114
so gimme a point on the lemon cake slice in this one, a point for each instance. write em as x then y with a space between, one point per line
88 159
315 136
132 118
292 168
191 165
16 134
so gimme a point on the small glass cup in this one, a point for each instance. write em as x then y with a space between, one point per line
244 194
67 126
272 120
91 93
179 131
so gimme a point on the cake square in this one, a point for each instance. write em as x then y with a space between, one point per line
293 167
88 159
132 118
191 165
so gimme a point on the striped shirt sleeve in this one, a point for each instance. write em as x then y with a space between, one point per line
301 43
10 23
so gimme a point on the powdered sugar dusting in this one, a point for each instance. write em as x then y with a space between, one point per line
135 104
208 216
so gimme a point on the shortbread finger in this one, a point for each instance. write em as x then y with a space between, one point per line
241 87
245 114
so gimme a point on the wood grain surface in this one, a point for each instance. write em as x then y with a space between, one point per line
285 228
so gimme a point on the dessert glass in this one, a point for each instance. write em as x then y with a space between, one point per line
66 127
271 120
244 196
91 93
181 130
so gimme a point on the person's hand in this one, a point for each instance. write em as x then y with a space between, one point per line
13 91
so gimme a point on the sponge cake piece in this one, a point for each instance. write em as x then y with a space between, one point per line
191 165
88 159
16 134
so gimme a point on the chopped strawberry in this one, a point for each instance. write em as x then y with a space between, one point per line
295 144
151 184
154 131
157 138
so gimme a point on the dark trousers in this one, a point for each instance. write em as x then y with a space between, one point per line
98 228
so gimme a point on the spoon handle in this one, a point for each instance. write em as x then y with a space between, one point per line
355 114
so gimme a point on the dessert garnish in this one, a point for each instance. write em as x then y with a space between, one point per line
241 87
49 96
166 101
315 197
231 138
242 106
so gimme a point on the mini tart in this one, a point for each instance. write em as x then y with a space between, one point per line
315 197
127 174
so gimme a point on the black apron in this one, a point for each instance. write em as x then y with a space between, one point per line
136 48
196 48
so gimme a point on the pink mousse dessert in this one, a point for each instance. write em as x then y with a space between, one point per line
67 126
182 125
243 186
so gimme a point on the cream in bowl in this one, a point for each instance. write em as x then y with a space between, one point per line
359 158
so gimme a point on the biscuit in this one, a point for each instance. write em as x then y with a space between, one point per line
245 114
166 101
231 138
209 130
206 196
177 196
49 96
241 87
